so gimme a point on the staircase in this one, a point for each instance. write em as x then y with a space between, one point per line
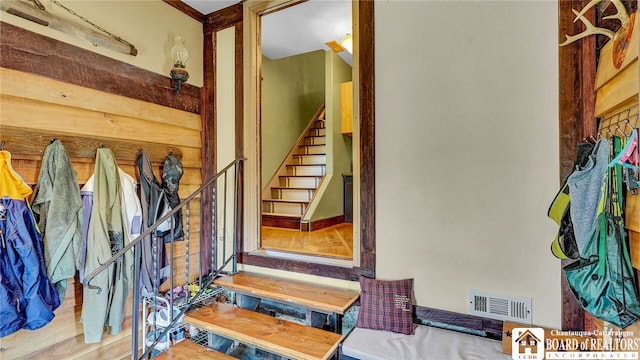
287 198
170 316
279 337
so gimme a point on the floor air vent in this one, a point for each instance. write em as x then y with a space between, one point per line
500 307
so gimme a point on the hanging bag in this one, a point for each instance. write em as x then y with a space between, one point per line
564 245
602 279
171 173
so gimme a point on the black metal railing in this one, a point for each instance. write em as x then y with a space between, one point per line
156 329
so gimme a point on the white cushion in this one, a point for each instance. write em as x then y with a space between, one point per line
427 343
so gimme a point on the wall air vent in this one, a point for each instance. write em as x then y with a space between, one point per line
500 307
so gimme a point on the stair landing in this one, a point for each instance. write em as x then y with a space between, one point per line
271 334
315 297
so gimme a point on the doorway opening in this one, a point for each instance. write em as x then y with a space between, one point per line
364 242
304 158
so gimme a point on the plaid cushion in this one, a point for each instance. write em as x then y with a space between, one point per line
386 305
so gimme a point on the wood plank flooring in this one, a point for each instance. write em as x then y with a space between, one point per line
334 241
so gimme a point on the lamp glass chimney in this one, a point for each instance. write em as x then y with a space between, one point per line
179 53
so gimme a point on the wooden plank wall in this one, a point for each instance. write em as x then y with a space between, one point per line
37 107
617 98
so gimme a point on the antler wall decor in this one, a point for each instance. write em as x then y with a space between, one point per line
620 38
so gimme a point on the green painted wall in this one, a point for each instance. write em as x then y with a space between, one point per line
339 147
293 89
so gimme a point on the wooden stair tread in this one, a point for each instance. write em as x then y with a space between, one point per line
301 155
287 201
292 188
301 176
315 297
269 333
188 350
282 215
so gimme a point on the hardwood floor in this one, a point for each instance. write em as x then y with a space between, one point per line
334 241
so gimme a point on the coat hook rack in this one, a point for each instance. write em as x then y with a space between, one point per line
622 122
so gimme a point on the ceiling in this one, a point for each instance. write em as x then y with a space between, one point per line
208 6
298 29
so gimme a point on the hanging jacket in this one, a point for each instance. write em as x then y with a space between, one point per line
131 211
152 198
27 297
105 236
171 174
57 206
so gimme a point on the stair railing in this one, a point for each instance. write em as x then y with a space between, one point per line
179 303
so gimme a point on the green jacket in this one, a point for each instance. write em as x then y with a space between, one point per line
58 208
106 236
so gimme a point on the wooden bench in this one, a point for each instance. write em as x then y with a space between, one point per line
324 299
426 343
281 337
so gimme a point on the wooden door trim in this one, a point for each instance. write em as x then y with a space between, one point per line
367 164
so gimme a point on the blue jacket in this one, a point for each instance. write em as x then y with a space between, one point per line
27 297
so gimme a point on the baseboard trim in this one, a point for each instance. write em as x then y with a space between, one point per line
322 223
460 322
281 221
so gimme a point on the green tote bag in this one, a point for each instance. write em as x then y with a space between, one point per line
602 279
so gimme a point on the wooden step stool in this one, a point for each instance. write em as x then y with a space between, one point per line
188 350
319 298
279 336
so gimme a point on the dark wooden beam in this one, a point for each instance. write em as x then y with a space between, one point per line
188 10
577 63
209 164
227 17
366 58
212 23
303 267
33 53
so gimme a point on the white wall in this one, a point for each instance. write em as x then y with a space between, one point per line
225 94
225 144
150 25
467 150
466 137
